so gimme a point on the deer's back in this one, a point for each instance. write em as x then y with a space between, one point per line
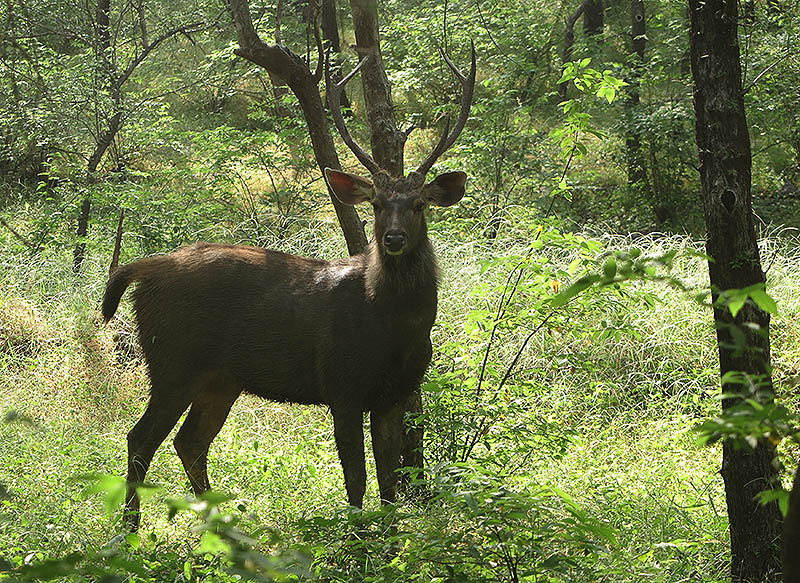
284 327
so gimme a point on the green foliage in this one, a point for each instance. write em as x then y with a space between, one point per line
487 532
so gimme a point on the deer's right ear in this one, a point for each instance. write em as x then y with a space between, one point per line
349 188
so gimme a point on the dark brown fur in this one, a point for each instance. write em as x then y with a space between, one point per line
352 334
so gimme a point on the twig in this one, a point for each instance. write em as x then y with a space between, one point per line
750 85
17 236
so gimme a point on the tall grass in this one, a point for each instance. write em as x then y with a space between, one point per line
621 409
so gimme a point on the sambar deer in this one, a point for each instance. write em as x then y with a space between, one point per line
352 334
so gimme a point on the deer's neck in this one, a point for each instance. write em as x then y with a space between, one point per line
410 275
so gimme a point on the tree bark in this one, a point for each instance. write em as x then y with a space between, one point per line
791 534
725 171
291 68
385 139
637 170
593 18
330 32
106 74
279 88
569 42
117 243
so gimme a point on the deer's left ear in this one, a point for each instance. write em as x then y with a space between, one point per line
446 189
349 188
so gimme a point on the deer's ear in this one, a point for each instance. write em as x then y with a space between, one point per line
446 189
349 188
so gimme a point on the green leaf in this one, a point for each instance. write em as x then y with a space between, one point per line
764 301
573 290
610 268
780 495
735 304
112 488
213 544
133 540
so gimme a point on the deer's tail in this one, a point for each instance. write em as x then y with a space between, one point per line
123 277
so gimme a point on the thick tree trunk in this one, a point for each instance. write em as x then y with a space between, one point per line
288 66
387 150
725 159
791 535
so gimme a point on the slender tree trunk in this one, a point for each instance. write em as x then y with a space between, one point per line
791 535
117 243
569 42
103 143
385 139
330 32
725 164
288 66
593 18
105 72
279 87
637 171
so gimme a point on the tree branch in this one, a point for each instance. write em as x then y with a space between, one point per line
186 28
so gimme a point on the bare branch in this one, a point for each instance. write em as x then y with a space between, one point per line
17 236
184 29
320 51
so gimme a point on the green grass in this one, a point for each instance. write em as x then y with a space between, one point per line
623 409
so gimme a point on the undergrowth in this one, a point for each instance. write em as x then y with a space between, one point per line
560 439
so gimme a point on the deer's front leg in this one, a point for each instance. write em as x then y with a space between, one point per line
387 430
349 433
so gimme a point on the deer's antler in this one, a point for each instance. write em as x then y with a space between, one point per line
449 138
334 102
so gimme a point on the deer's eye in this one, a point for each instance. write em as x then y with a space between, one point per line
418 206
376 206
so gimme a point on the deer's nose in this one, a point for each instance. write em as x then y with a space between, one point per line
394 242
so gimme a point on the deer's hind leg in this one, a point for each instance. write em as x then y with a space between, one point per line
209 410
161 415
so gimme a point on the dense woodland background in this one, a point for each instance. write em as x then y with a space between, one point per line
569 435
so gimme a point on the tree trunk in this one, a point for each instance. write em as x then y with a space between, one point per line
385 139
569 42
288 66
279 88
593 13
117 244
725 165
105 73
637 171
387 150
791 534
330 32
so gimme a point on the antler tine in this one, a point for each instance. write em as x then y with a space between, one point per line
334 100
468 88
